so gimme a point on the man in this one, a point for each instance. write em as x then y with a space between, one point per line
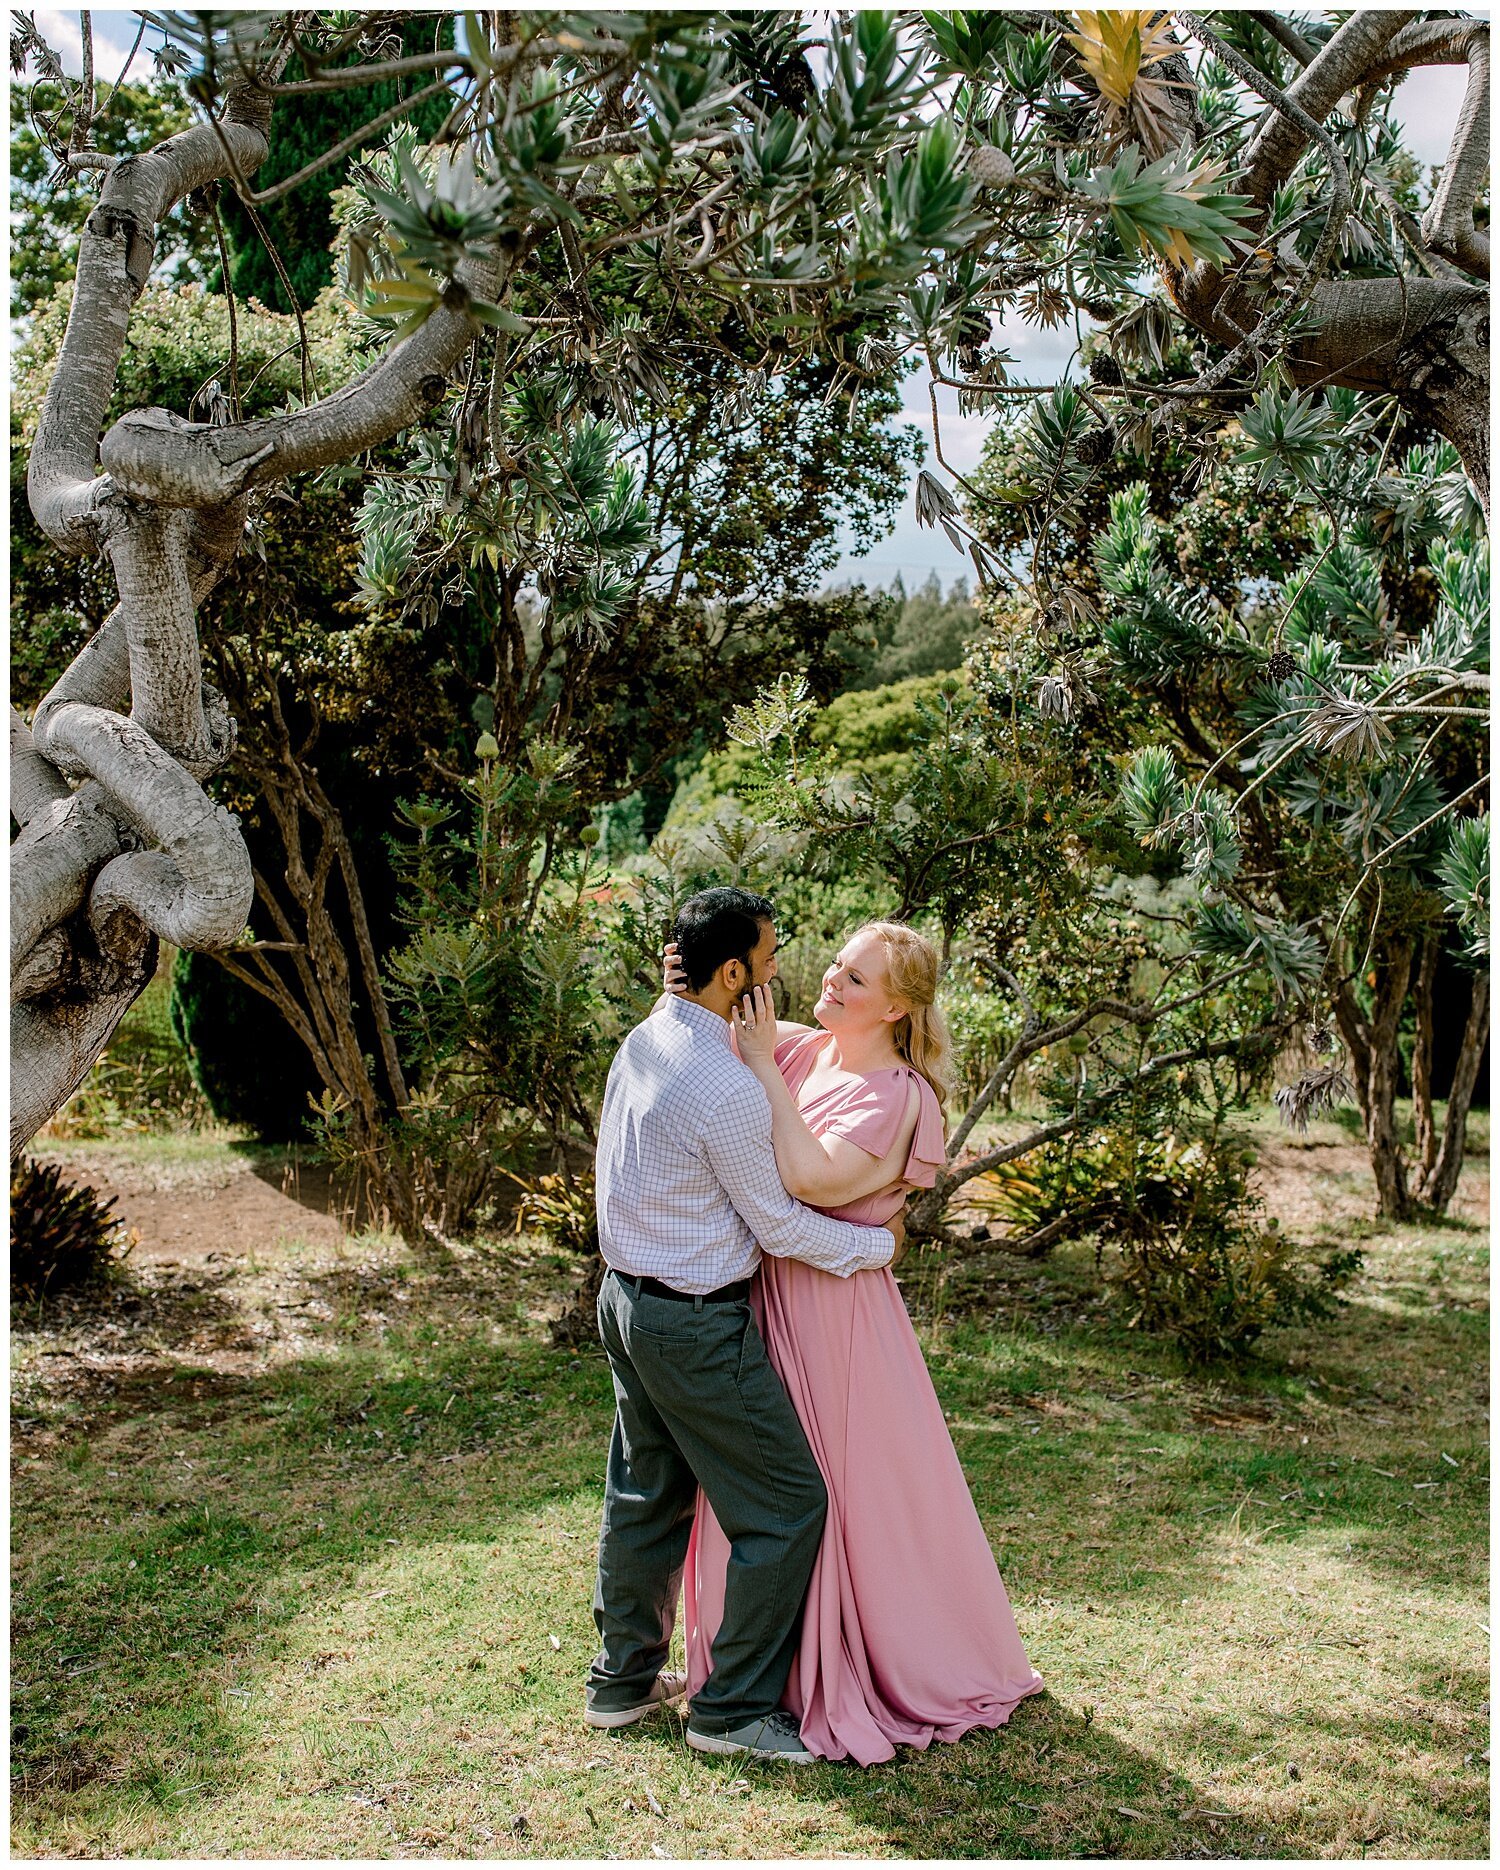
688 1198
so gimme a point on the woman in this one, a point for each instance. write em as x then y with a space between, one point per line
907 1633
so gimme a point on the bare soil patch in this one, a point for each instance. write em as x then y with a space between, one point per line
234 1204
1313 1182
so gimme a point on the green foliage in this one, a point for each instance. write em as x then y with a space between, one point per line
1170 207
1217 1285
1178 1233
864 733
1464 872
492 988
1288 435
999 855
914 823
1259 634
1338 704
386 688
61 1233
982 1024
248 1065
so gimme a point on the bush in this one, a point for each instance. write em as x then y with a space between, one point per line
869 731
250 1066
1178 1234
61 1233
1218 1284
561 1209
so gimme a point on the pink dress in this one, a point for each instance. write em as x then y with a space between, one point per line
907 1633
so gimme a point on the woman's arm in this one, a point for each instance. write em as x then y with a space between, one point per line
827 1171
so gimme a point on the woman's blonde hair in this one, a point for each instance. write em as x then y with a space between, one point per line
921 1035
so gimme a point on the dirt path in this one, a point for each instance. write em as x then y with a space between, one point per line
1310 1182
223 1206
227 1206
241 1260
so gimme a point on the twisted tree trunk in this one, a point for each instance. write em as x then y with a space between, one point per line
1424 336
119 843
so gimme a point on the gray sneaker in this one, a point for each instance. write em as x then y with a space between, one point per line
775 1738
668 1686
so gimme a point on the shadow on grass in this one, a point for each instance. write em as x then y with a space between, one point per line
159 1552
1051 1783
180 1534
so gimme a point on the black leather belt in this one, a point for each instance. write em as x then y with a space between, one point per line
725 1295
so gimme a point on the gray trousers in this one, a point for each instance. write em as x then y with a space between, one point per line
698 1404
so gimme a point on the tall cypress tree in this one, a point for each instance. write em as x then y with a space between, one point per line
301 224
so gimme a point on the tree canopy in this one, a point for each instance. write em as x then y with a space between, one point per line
638 257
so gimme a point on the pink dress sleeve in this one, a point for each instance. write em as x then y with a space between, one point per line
787 1048
871 1118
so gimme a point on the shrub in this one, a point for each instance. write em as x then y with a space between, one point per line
561 1209
61 1233
1216 1285
869 732
1179 1235
250 1066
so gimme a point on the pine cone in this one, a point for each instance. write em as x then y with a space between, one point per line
991 168
1096 447
1282 666
974 328
1320 1039
1105 370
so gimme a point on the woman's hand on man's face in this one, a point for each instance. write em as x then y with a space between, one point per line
673 979
753 1019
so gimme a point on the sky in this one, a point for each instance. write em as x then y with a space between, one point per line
1427 103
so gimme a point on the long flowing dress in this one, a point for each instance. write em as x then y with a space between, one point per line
907 1633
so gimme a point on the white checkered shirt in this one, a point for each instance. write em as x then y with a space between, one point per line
685 1170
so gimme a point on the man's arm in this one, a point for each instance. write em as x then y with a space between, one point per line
737 1147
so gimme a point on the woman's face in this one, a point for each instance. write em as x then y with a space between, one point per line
856 995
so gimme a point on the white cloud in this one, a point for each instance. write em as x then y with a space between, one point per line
114 34
1426 105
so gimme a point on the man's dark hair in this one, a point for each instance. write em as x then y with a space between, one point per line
716 926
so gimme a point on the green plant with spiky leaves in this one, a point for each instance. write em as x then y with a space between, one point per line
999 850
1277 626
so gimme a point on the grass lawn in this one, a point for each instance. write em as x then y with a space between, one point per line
304 1542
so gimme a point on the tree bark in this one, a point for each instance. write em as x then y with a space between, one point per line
1373 1049
1436 1189
1425 1147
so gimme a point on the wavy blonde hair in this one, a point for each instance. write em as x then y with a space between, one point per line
921 1035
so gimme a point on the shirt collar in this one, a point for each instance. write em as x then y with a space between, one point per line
700 1018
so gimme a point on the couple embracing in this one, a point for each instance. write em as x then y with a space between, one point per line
779 1454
